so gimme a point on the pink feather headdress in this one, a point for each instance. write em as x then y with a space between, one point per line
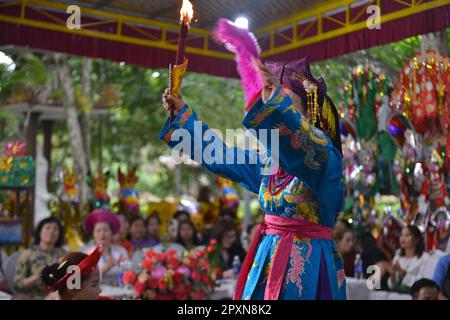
245 46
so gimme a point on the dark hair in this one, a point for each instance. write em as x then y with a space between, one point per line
227 212
179 213
42 223
123 214
368 241
135 218
346 224
132 220
51 274
194 234
422 283
154 215
417 235
250 227
339 234
222 226
336 140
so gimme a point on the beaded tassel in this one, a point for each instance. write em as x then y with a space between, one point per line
328 115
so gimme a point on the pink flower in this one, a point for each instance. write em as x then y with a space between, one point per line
15 149
158 272
184 271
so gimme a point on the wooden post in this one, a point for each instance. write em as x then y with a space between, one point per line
47 128
31 134
2 128
100 143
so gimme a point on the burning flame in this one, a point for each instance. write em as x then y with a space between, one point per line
186 12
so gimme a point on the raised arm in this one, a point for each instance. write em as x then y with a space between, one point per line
185 133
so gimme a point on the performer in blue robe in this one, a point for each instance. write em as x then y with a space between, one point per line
293 255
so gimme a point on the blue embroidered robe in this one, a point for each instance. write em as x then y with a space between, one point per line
315 193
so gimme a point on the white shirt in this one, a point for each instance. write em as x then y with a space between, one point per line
414 267
117 252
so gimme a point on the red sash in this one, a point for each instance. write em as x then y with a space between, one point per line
288 228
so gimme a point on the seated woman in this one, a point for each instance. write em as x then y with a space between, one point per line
102 224
345 240
225 213
56 276
408 263
153 229
187 235
372 255
206 214
137 238
48 240
120 237
225 233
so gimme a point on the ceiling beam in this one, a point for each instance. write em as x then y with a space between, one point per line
103 3
162 11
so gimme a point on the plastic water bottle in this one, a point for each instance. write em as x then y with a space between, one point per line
236 266
120 275
358 267
123 267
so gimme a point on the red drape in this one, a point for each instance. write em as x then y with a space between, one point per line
428 21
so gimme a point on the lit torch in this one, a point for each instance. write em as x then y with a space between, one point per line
177 71
186 15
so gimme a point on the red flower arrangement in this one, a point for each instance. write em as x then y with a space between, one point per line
166 276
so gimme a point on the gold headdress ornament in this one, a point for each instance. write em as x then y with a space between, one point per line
316 114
